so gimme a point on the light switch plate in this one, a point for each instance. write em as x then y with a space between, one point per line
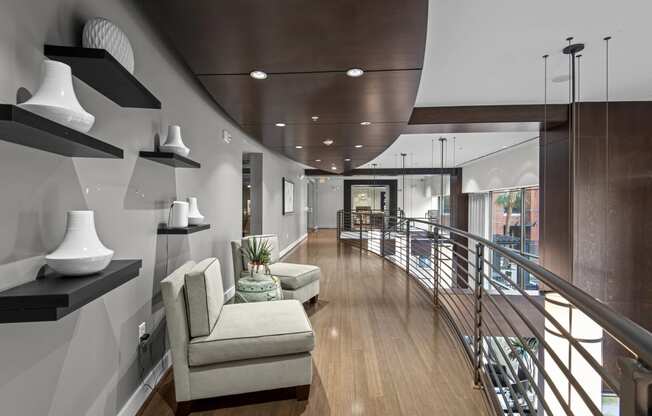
226 136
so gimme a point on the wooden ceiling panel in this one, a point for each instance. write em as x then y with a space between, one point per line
386 96
236 37
305 47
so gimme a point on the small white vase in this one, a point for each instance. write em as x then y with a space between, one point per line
257 274
81 252
174 143
101 33
56 99
178 215
194 216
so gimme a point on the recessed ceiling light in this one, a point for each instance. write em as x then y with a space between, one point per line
334 167
249 186
298 147
347 160
317 160
355 72
365 123
358 146
314 118
280 124
258 74
328 142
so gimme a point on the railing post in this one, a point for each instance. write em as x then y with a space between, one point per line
635 384
435 269
382 237
339 228
477 337
360 226
407 246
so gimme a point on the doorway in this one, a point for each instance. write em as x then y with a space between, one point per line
252 195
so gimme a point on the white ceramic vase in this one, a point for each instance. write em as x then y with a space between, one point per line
178 215
174 143
194 216
56 99
81 252
101 33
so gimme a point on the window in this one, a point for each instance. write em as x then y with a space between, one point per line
515 225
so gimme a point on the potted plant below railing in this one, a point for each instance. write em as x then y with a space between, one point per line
258 253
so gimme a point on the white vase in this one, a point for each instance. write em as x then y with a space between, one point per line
56 99
194 216
174 143
257 274
81 251
101 33
178 215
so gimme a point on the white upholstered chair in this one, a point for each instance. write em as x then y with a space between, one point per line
298 281
220 350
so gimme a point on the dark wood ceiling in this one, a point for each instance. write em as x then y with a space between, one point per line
306 48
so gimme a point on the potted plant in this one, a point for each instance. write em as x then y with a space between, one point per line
258 252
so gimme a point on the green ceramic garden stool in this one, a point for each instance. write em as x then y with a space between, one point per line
257 290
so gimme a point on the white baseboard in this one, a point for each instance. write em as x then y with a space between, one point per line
136 401
292 245
229 293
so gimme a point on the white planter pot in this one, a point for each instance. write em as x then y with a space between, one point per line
194 216
178 215
81 252
257 275
174 143
56 99
101 33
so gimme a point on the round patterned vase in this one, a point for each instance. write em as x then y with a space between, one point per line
101 33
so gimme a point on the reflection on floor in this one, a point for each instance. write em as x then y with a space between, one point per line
381 348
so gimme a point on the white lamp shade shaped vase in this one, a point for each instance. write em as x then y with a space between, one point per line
56 99
194 216
81 252
101 33
174 143
178 215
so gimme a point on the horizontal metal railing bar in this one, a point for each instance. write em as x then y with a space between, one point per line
610 380
534 357
562 367
511 370
628 333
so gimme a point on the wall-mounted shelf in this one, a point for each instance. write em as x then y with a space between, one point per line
163 229
170 159
53 296
100 70
29 129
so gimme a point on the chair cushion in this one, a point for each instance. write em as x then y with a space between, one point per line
254 330
204 296
294 276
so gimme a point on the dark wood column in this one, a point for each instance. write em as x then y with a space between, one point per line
459 205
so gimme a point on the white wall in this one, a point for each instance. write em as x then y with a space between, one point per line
329 200
86 363
512 168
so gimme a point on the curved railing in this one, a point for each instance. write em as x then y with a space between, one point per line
548 348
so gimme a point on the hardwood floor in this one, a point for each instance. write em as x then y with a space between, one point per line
381 348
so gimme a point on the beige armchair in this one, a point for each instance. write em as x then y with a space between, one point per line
220 350
298 281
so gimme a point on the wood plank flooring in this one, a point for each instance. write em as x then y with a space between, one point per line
381 348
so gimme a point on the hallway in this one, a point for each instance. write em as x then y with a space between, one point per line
381 350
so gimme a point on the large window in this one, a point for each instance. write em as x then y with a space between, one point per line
515 225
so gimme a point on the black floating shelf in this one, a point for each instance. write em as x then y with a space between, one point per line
163 229
170 159
53 296
99 69
29 129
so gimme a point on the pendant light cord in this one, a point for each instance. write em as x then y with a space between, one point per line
545 129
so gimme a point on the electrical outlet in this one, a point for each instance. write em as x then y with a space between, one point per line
142 330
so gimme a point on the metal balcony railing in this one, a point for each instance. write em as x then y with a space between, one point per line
552 351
